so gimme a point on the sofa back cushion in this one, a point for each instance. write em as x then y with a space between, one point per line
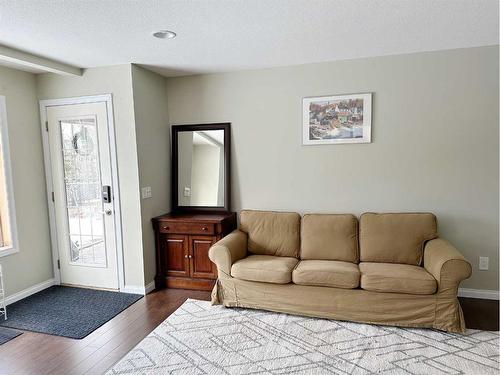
395 238
329 237
272 233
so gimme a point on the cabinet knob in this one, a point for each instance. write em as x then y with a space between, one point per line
186 256
204 228
166 228
190 256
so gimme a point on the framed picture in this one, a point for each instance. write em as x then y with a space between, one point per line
337 119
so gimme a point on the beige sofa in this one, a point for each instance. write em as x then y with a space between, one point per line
389 269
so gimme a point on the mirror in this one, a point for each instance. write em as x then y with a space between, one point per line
200 180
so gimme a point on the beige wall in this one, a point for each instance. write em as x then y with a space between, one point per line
33 264
153 150
116 80
435 141
435 148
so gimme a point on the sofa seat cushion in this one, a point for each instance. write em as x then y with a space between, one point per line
330 273
264 268
396 278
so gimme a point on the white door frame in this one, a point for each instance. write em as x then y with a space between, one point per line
105 98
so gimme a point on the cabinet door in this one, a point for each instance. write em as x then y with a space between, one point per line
201 266
176 250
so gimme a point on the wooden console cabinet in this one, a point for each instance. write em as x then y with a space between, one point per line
182 244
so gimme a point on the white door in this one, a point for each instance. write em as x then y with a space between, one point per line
83 191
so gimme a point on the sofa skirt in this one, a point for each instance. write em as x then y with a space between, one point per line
440 311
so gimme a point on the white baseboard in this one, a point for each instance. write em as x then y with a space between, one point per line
133 289
29 291
462 292
136 289
150 287
479 293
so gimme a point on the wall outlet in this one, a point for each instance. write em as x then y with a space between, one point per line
146 192
187 192
484 263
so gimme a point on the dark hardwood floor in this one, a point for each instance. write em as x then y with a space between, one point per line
36 353
480 313
40 354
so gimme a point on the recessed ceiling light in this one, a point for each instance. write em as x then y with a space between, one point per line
164 34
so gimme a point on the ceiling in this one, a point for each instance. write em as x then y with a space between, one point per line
227 35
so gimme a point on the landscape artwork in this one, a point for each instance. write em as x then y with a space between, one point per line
337 119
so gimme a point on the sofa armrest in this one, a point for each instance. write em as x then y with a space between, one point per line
448 266
228 250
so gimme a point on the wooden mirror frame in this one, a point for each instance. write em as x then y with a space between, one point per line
226 126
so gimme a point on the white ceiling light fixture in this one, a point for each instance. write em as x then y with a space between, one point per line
164 34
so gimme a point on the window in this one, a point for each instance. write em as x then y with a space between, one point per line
8 233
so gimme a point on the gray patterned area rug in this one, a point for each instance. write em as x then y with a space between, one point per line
202 339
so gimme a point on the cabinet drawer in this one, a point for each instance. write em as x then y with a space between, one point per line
187 228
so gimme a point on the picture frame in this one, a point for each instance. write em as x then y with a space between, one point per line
337 119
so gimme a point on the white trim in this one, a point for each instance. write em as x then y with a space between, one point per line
479 293
116 192
76 100
8 250
108 99
462 292
33 61
9 188
150 287
48 182
136 289
29 291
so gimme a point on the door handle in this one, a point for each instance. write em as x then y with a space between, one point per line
106 194
107 212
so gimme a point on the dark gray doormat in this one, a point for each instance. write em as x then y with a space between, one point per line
67 311
7 334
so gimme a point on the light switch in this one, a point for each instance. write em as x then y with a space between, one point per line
187 192
146 192
484 263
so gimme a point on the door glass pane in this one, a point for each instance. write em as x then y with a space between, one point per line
82 178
